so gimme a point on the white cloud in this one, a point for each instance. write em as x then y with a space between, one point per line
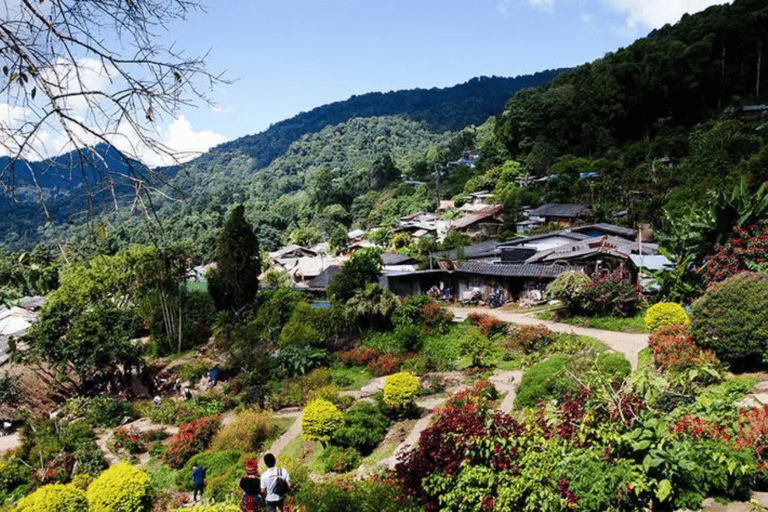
643 15
181 137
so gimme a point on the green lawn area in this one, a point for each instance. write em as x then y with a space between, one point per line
634 324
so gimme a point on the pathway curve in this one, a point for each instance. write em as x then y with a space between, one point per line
630 344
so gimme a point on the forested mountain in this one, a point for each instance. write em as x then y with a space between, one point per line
654 130
447 109
62 180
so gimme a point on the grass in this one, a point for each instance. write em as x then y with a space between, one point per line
349 378
634 324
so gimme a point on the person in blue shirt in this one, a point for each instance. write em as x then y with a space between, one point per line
198 481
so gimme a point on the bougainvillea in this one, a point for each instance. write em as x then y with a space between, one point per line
192 438
55 497
121 488
611 293
746 249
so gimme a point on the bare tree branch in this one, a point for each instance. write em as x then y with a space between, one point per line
90 72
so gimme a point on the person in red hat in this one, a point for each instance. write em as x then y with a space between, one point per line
251 486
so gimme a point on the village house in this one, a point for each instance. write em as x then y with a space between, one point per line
565 214
487 222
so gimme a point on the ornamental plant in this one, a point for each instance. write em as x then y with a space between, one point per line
321 418
192 438
673 350
611 293
665 313
400 390
745 250
487 324
121 488
569 288
730 319
54 497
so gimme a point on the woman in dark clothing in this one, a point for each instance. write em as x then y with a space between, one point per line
251 486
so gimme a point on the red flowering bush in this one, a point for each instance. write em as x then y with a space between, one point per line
434 316
746 248
673 349
487 324
192 438
749 430
131 441
528 338
360 356
611 293
386 364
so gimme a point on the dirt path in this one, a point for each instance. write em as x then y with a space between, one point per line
627 343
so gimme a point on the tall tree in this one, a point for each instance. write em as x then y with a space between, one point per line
94 72
235 281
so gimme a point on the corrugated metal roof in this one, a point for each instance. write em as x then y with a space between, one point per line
512 270
565 210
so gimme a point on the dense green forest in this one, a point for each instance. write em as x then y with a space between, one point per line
63 182
653 130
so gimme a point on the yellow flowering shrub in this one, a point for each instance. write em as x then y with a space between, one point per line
121 488
54 497
665 313
320 419
400 390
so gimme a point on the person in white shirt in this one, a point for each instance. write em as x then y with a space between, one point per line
269 478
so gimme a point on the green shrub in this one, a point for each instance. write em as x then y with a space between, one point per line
100 411
55 497
246 432
222 471
477 347
570 289
321 418
121 488
353 495
543 381
193 371
400 390
665 313
731 320
365 427
300 331
614 366
340 460
13 473
173 412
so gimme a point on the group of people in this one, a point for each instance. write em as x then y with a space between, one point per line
260 492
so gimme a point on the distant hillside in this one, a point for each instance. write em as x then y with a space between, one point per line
447 109
68 188
62 180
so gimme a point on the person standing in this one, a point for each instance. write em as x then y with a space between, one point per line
198 481
251 486
275 484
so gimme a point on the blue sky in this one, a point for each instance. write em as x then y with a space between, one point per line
288 56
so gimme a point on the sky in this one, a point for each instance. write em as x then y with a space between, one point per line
283 57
